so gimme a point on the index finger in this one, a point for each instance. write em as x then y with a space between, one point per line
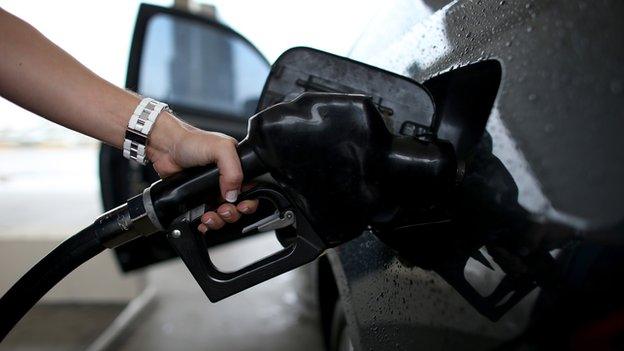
230 171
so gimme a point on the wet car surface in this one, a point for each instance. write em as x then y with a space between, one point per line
538 213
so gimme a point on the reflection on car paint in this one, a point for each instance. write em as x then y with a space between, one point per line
545 198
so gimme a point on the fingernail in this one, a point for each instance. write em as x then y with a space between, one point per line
244 209
225 214
208 221
231 195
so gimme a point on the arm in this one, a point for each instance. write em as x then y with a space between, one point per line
41 77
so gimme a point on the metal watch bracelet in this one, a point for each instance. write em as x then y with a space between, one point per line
139 127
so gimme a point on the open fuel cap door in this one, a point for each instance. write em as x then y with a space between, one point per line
407 108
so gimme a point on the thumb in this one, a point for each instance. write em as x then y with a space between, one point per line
230 170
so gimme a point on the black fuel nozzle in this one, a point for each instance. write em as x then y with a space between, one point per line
338 171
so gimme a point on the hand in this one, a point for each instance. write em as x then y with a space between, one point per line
175 145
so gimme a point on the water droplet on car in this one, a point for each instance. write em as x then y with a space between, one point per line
532 97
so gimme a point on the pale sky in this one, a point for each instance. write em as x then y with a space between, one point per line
98 34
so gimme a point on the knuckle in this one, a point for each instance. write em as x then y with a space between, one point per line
205 217
227 143
231 140
221 149
223 208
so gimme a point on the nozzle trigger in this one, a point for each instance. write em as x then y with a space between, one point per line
275 221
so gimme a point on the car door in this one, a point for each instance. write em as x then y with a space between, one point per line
209 75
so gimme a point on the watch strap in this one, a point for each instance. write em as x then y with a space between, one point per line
139 128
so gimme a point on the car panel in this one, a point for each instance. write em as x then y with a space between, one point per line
549 161
576 66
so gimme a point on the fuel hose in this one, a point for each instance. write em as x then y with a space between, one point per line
44 275
160 203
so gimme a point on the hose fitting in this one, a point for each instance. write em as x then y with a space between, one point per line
124 223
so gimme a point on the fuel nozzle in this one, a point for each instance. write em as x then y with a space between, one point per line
338 171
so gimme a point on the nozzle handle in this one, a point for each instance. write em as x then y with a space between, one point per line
175 195
304 247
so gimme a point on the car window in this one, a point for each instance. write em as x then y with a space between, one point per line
188 64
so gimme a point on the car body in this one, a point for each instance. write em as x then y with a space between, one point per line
528 252
553 180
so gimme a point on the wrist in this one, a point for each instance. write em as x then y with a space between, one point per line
166 133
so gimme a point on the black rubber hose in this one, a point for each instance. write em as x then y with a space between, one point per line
69 255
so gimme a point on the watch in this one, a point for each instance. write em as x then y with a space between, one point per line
139 127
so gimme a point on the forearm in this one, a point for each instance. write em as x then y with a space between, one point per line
41 77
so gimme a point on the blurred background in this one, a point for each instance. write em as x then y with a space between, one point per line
49 189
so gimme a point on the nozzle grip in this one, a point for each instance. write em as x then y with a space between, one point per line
190 188
217 285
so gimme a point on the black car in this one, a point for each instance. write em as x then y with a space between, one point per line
528 252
